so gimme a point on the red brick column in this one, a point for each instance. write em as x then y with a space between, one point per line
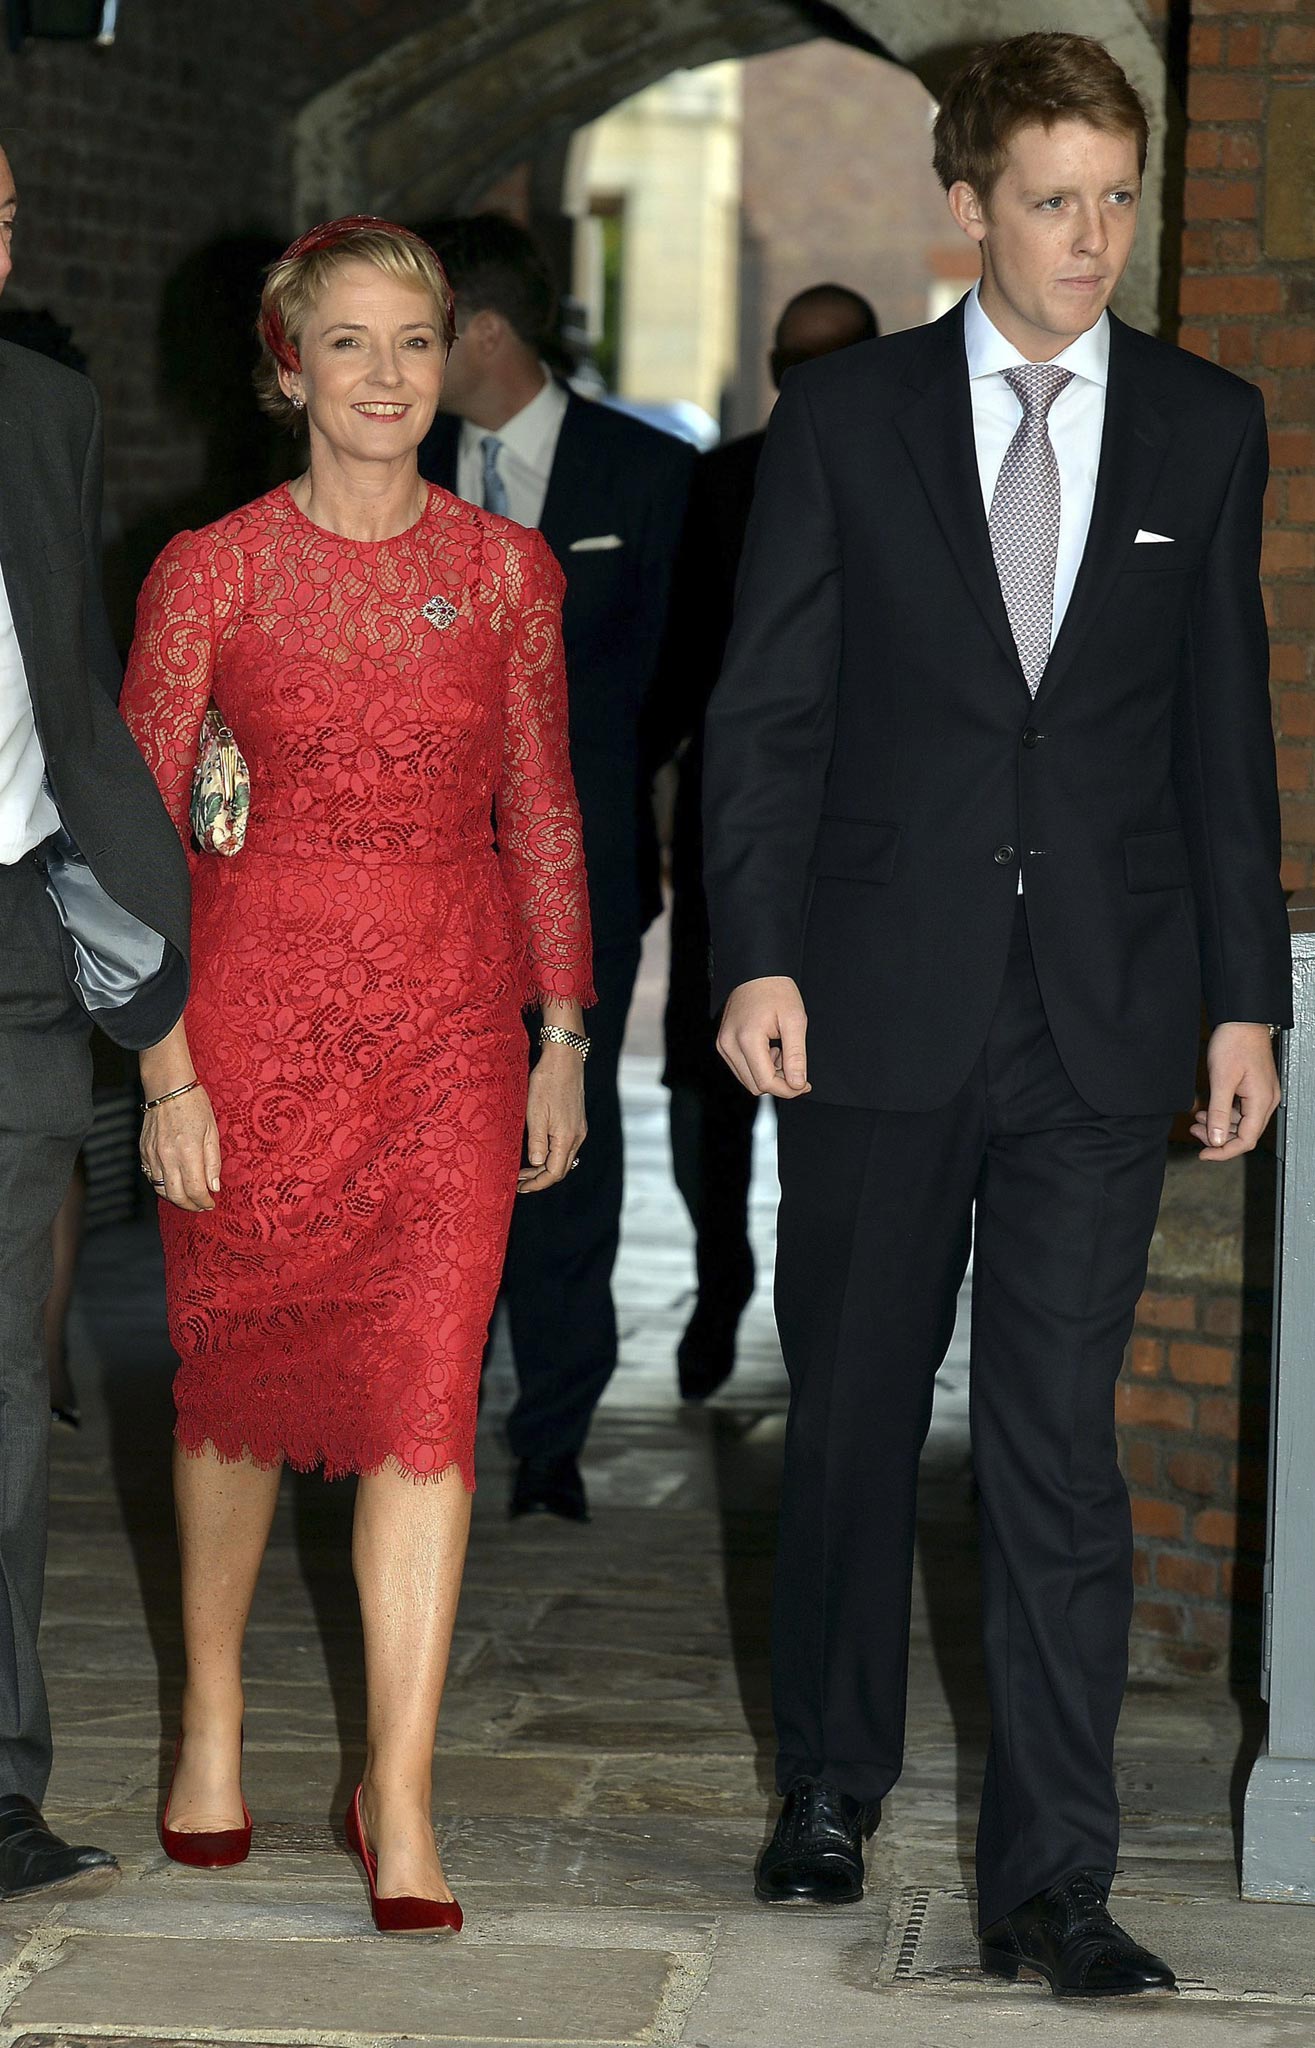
1192 1406
1192 1415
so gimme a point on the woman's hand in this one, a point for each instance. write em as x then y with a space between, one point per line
554 1119
180 1150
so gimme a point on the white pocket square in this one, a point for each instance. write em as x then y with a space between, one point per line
1143 535
595 543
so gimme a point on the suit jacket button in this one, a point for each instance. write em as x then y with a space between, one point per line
1032 738
1003 855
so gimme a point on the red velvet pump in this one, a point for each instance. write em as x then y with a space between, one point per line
397 1916
215 1849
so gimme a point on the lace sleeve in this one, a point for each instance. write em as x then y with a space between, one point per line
540 844
167 685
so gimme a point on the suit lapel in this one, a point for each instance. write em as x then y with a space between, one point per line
16 552
568 480
438 451
1134 441
937 429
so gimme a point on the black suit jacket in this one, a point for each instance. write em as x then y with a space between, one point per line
131 880
877 773
698 628
611 475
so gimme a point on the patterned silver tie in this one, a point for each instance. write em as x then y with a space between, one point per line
1024 518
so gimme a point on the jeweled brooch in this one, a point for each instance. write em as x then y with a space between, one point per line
440 611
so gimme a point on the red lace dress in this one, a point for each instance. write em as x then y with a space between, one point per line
360 968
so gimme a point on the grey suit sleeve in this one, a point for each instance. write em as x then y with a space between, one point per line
771 722
102 658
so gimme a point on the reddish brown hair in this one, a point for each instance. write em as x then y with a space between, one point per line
1045 77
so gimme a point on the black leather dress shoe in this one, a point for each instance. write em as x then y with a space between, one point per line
815 1856
549 1486
34 1860
705 1356
1067 1936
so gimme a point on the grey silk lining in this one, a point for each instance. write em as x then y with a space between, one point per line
114 953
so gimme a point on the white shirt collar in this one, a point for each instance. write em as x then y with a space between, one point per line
531 434
989 352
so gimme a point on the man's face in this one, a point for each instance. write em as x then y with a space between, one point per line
8 208
1056 233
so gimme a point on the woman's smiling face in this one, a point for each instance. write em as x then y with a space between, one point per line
372 361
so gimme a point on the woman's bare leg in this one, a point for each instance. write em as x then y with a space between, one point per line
408 1553
224 1514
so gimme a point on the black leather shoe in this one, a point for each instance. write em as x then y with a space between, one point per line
815 1856
1067 1936
34 1860
705 1356
549 1486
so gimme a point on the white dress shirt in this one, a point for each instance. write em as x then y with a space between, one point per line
27 810
529 443
1076 422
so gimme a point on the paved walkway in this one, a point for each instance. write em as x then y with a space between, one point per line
604 1756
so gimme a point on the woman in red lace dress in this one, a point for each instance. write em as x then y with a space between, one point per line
345 1100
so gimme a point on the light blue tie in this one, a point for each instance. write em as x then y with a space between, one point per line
495 491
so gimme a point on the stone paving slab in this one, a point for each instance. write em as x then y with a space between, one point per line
434 1989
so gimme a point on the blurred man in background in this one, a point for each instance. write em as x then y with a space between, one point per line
712 1117
608 494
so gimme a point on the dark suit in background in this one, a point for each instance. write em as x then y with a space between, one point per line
877 778
612 476
126 899
712 1116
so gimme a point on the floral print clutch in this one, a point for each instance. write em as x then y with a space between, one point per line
221 789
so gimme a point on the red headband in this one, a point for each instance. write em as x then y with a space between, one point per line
329 235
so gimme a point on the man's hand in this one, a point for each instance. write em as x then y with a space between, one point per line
762 1037
1244 1091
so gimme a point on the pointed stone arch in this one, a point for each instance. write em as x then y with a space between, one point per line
426 119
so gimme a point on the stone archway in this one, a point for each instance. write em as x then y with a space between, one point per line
429 118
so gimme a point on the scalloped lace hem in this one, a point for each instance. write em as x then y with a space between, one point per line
237 1448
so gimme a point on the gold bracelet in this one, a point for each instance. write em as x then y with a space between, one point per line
552 1034
156 1100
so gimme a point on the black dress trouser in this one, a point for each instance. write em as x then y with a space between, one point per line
45 1113
876 1224
558 1277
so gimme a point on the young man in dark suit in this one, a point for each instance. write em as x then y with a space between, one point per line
608 495
712 1117
93 918
990 805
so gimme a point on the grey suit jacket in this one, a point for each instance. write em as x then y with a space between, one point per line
117 871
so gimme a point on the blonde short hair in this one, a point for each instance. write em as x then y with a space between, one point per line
295 283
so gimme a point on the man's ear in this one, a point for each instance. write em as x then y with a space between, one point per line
483 331
968 210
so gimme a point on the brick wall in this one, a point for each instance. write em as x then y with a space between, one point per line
1250 304
129 162
1193 1409
1193 1403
